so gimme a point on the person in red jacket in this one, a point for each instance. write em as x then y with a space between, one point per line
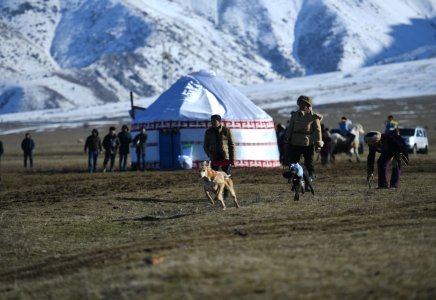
391 148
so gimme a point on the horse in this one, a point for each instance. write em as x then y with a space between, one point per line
339 140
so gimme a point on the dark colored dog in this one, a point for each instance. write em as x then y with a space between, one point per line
299 177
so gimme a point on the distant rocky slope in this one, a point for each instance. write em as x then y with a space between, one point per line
75 53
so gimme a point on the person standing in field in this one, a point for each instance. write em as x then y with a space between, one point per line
110 144
325 149
391 148
93 144
1 153
303 135
27 145
140 141
125 141
219 145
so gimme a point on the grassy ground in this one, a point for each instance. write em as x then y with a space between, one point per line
67 234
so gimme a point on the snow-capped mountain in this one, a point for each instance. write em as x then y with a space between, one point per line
76 53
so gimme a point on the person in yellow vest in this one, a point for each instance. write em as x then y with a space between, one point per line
390 124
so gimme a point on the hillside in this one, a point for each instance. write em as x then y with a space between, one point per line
69 54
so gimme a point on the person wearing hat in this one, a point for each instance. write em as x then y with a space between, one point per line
110 144
391 147
140 141
219 145
93 144
125 141
303 135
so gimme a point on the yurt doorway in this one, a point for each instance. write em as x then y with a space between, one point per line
169 149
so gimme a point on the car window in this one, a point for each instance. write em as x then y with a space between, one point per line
407 131
424 134
419 133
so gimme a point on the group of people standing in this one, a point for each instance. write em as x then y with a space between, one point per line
303 136
112 143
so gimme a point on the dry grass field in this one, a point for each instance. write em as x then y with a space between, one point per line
68 234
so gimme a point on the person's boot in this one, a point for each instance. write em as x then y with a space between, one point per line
104 168
311 178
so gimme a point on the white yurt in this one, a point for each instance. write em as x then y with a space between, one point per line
177 120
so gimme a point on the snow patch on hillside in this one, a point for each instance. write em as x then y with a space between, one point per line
393 81
107 48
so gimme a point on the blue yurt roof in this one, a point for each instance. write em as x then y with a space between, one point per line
198 96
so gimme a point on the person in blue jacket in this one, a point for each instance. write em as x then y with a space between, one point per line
28 145
344 126
390 124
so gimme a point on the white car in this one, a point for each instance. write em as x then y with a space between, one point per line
415 138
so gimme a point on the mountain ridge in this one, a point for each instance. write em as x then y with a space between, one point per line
66 54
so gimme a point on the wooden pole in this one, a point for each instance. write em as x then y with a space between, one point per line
131 101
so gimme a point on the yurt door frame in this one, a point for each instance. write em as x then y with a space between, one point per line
169 150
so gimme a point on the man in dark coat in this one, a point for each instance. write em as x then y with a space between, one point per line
391 147
325 150
1 153
28 145
140 141
110 144
125 141
93 144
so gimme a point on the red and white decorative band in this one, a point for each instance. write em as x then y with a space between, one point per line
165 125
242 164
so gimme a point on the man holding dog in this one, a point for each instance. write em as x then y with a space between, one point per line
219 145
303 135
391 147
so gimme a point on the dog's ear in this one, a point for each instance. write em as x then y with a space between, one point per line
209 164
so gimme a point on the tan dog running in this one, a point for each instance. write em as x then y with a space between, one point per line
215 182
